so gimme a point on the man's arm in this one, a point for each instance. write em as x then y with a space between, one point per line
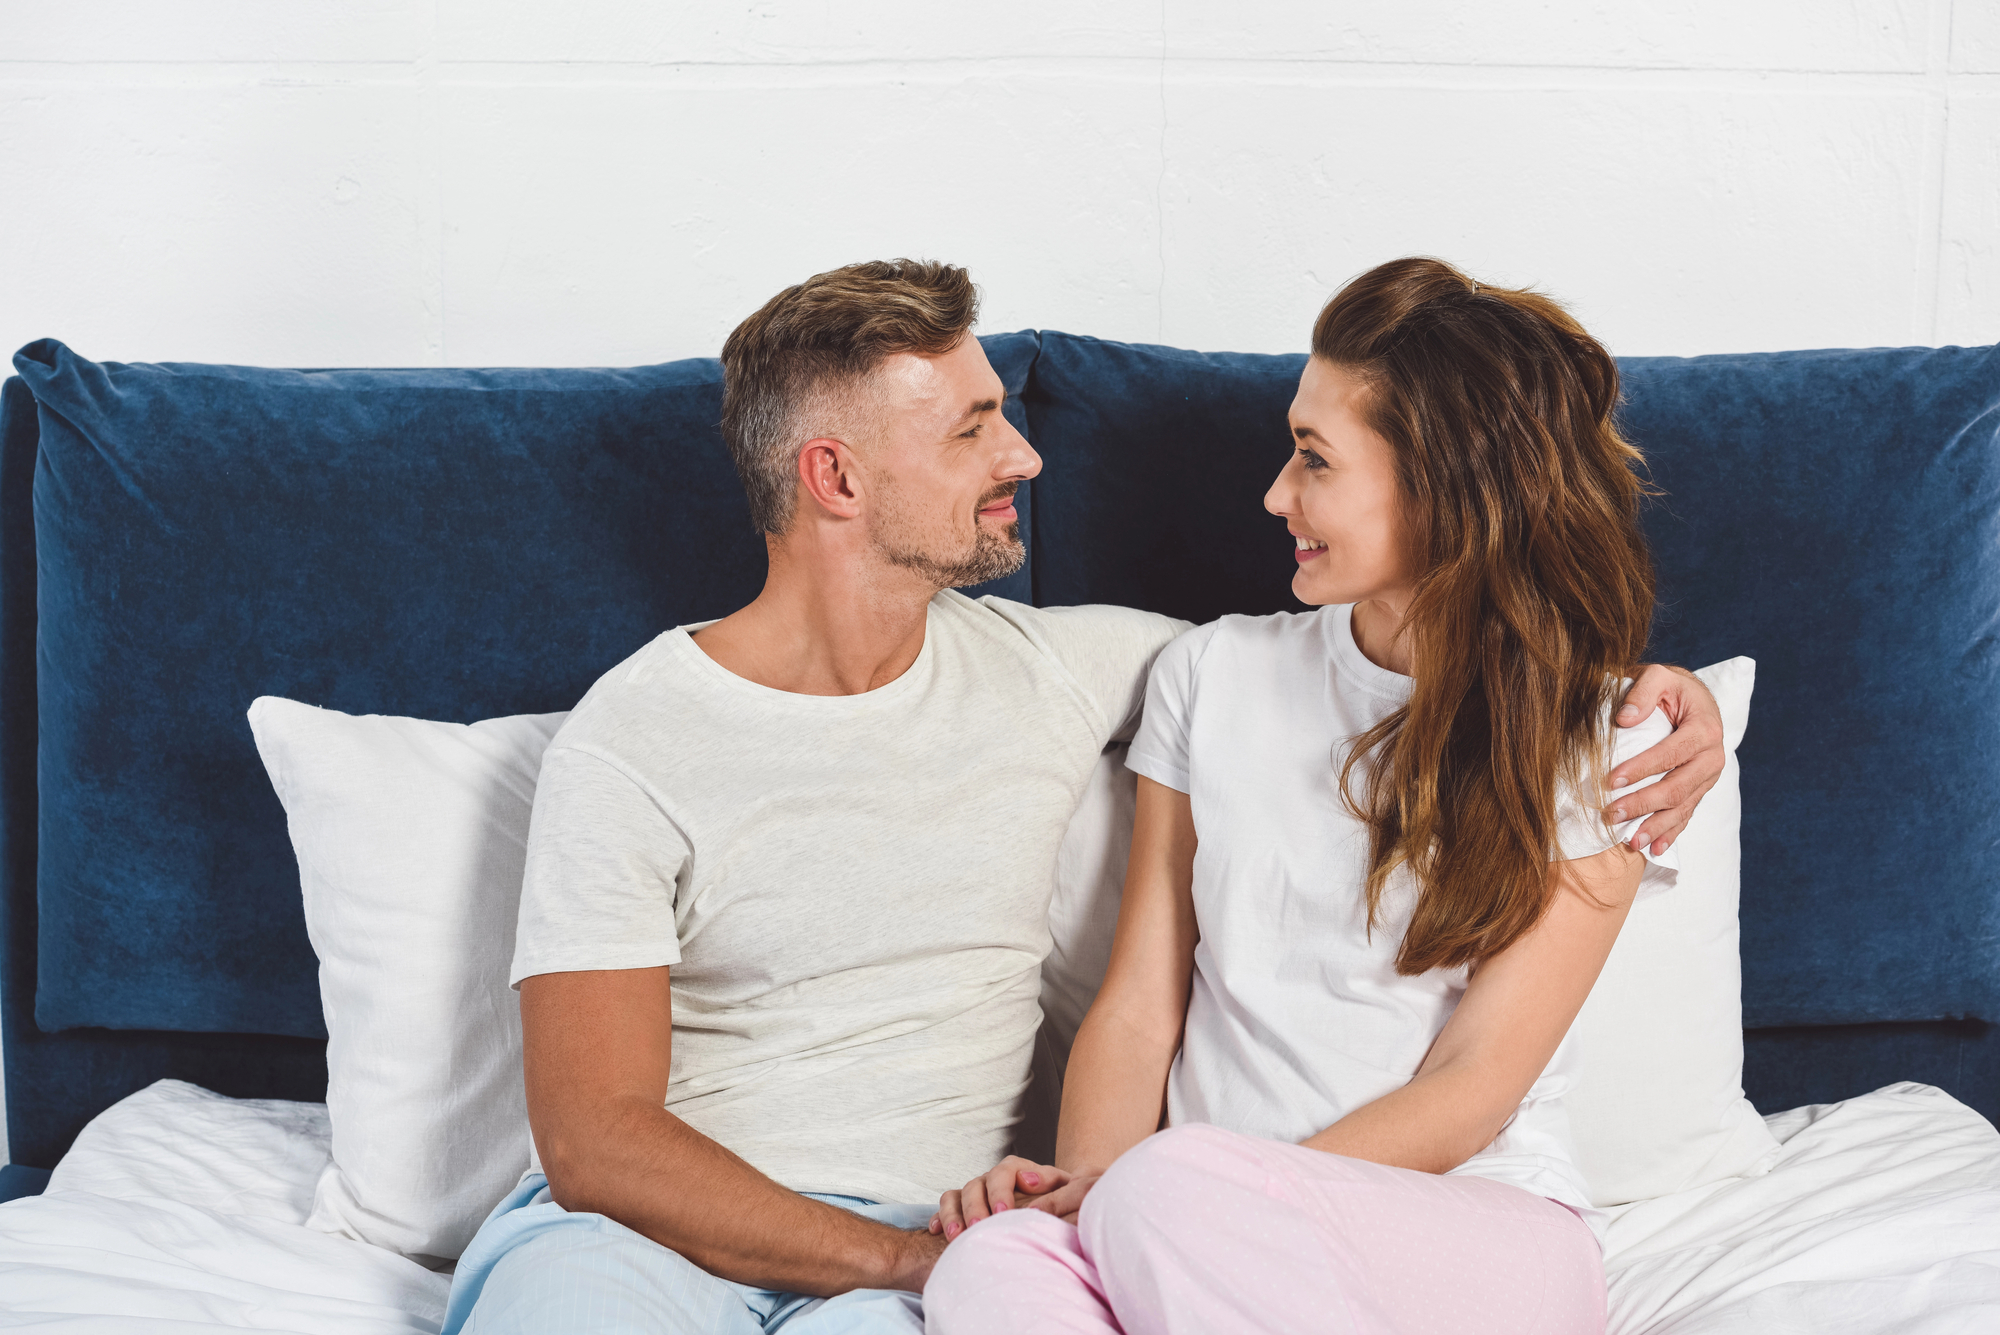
1691 757
1108 651
598 1049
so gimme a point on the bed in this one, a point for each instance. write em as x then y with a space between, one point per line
178 540
187 1210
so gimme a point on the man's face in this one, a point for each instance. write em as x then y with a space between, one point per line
944 466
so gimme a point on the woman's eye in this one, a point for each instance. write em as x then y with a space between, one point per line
1312 461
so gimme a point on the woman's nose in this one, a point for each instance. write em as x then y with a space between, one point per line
1279 499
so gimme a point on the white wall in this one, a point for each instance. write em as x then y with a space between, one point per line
496 181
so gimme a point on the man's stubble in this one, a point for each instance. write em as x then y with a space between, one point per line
911 541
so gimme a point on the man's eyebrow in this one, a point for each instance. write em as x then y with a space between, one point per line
983 406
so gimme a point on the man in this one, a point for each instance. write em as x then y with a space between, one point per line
788 877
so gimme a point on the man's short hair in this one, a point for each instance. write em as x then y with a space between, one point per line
814 342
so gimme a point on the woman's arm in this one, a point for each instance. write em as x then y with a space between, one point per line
1115 1087
1501 1038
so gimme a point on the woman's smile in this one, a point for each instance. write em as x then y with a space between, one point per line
1308 548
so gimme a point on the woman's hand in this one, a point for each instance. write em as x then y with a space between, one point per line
1013 1183
1067 1199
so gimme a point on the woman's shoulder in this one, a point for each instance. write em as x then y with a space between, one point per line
1235 637
1311 628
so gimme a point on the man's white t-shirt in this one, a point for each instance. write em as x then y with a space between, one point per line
852 891
1297 1015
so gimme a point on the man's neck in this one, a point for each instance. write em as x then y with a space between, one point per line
826 623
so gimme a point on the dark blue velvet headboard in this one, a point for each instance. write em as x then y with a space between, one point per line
175 540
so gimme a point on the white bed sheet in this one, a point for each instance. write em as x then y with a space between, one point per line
180 1210
1881 1215
183 1211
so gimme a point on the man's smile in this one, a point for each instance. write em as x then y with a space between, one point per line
1000 507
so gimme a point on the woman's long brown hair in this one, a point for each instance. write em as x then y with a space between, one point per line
1521 510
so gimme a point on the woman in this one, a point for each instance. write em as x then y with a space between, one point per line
1369 887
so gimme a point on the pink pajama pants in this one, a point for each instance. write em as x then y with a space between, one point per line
1199 1231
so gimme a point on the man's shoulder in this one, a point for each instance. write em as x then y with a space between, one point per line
627 696
1089 629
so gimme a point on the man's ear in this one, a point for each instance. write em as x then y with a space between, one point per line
829 478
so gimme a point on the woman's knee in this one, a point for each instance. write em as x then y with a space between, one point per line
1001 1249
1166 1168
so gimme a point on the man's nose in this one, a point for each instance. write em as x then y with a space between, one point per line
1019 460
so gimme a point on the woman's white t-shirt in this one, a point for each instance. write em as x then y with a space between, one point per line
1297 1015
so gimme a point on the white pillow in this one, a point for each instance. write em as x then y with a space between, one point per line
1657 1104
411 838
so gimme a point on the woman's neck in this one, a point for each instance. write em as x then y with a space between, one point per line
1381 636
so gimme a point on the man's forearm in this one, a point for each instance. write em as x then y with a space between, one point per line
653 1173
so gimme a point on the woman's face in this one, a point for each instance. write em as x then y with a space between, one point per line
1339 496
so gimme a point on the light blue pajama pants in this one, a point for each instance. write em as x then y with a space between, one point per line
537 1269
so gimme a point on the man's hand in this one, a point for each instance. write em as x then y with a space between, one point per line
1691 757
919 1255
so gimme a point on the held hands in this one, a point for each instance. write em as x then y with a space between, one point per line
1691 757
1014 1184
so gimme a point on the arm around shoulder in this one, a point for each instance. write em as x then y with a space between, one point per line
1108 650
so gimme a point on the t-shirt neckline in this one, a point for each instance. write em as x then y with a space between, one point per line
682 638
1351 663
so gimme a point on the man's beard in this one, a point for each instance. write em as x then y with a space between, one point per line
991 555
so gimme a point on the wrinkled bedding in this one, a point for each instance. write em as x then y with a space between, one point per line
184 1211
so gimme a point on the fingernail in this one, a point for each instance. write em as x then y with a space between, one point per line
1628 711
1617 814
1032 1179
952 1230
998 1206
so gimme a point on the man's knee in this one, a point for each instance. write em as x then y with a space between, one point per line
587 1274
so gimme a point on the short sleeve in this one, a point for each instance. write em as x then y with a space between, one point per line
1160 750
1106 649
603 865
1581 830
